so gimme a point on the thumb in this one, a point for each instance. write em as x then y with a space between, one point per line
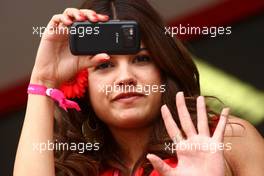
90 61
159 165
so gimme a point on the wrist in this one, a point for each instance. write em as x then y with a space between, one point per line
43 82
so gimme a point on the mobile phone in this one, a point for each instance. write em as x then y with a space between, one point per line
111 37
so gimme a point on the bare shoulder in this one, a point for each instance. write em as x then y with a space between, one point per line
243 128
246 156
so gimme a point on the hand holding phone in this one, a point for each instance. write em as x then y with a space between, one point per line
54 62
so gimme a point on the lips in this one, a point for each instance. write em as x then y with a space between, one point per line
127 95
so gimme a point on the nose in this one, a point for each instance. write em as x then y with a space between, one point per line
126 81
125 76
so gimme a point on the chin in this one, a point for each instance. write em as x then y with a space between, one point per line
131 119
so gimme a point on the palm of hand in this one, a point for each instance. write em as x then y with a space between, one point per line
199 157
198 154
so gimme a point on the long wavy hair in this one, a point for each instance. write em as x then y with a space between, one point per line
179 73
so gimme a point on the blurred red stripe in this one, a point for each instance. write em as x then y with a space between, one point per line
13 98
224 13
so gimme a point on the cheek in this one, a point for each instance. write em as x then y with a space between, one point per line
97 94
94 88
97 85
154 102
149 76
155 97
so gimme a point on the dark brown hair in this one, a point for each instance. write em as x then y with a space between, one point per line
179 74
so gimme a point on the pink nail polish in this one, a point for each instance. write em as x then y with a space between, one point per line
80 14
104 60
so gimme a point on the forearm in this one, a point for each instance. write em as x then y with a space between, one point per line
37 129
53 65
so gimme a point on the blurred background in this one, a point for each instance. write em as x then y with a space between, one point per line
231 66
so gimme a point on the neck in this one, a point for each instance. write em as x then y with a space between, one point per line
132 142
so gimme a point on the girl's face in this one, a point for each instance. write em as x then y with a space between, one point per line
125 91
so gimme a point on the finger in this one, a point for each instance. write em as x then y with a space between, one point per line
59 18
55 21
102 17
66 20
185 118
90 14
220 128
90 61
74 13
58 24
159 165
172 128
63 29
202 118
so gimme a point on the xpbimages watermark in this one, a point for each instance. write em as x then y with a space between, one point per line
81 30
212 31
80 147
196 146
144 89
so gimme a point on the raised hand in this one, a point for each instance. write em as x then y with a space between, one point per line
198 154
54 62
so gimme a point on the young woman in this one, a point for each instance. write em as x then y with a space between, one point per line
128 132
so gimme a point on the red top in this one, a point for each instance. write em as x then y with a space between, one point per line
114 172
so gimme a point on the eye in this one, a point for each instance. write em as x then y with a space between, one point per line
142 58
104 65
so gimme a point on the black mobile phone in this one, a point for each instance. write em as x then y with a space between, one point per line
111 37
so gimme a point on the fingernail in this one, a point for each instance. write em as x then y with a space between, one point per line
94 16
106 56
94 19
105 16
165 107
81 14
225 112
180 93
81 17
103 60
201 98
148 155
